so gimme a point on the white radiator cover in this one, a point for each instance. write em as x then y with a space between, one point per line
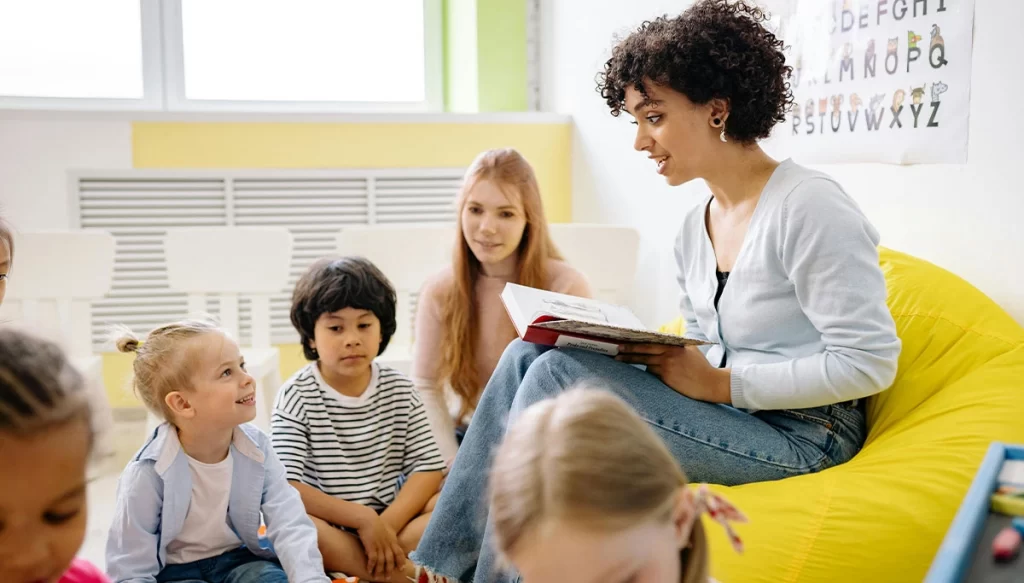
138 206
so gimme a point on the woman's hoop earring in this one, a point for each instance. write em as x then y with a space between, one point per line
718 123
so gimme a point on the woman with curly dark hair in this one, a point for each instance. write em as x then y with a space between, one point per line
779 272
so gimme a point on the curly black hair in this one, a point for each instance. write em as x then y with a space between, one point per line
333 284
715 49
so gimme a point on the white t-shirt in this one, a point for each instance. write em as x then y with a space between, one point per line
205 532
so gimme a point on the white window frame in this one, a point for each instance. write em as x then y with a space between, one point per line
152 78
163 71
174 75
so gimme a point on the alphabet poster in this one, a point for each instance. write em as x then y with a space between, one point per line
879 80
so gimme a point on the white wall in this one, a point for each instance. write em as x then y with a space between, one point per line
36 155
967 218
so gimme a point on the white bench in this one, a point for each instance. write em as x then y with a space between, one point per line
54 278
408 255
229 263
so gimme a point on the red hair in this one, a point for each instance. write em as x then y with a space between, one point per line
507 169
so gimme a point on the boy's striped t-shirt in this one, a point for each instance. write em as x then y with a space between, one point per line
353 448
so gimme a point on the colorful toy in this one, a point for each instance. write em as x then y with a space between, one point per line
1012 505
1006 545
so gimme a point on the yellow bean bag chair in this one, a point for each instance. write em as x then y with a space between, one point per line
881 516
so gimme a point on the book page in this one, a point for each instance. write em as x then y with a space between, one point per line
608 348
619 334
531 304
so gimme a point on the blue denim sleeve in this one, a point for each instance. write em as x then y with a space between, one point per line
289 529
133 542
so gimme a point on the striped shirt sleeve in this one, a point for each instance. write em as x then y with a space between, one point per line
289 432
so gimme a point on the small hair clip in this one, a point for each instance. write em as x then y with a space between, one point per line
721 511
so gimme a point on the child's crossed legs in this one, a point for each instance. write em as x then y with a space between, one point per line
343 551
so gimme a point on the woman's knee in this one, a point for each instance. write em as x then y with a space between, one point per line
558 370
549 374
516 361
568 367
522 354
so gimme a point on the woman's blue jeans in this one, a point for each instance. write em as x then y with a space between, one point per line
714 443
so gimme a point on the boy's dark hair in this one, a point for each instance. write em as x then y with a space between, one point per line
39 387
715 49
333 284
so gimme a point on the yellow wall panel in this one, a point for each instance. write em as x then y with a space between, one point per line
359 145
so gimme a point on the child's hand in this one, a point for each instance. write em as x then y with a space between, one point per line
383 553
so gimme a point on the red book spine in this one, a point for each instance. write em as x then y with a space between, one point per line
541 336
555 338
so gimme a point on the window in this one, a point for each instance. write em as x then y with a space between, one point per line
309 50
52 50
227 55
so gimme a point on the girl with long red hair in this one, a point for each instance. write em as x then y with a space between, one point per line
461 326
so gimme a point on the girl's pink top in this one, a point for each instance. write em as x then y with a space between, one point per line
82 571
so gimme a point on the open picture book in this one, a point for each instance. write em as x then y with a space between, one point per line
554 319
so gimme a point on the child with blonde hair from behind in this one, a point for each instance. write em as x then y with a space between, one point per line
189 503
45 441
583 490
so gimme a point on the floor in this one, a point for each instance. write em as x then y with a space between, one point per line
127 438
